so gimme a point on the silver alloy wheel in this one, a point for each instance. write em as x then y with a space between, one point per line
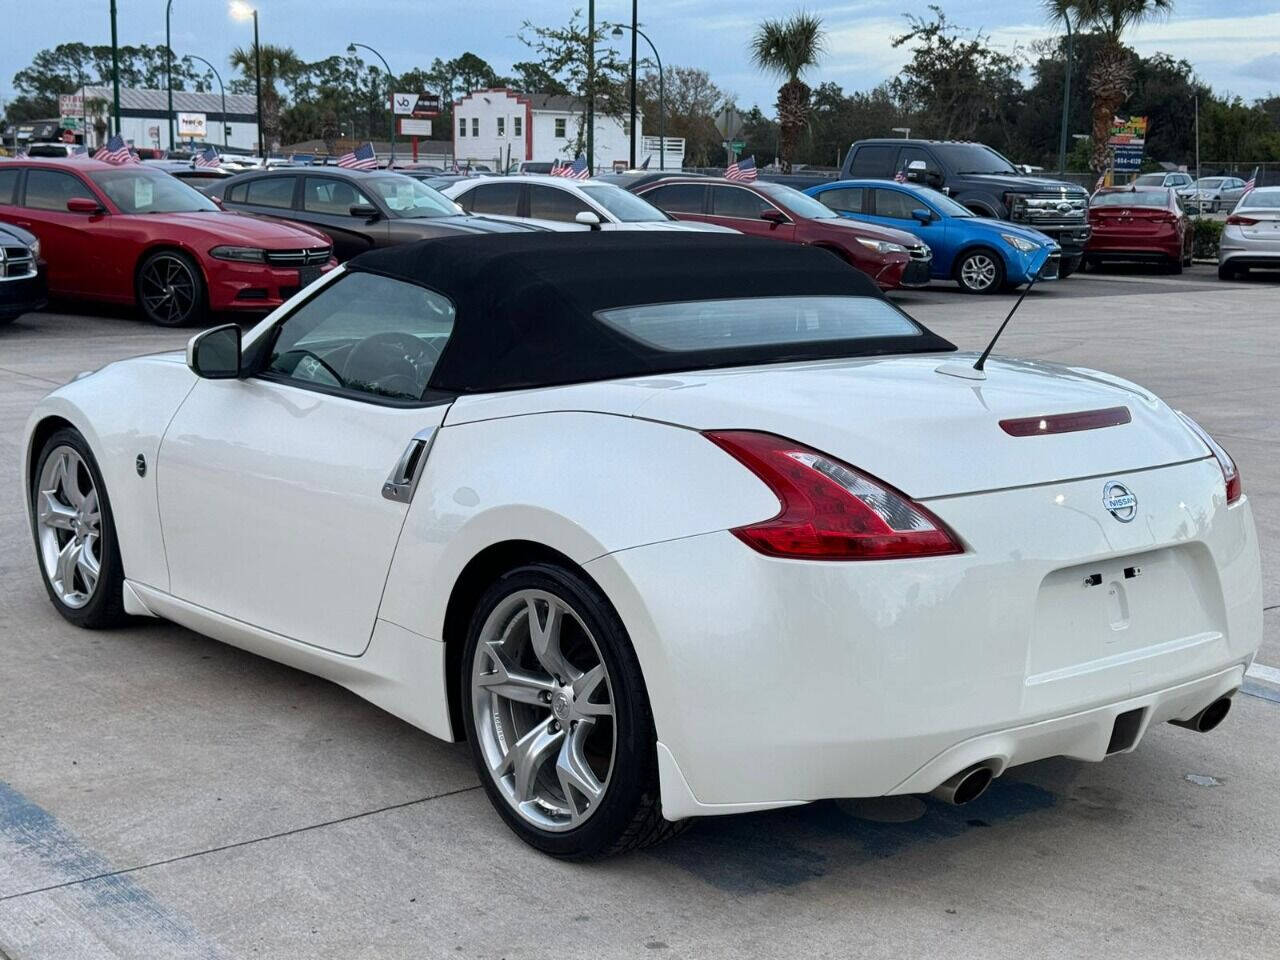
168 289
69 517
978 271
543 710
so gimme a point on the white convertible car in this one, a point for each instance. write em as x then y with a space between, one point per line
666 526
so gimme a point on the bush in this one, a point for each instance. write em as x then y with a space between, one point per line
1207 235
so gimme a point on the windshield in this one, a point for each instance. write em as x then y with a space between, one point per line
973 158
135 190
626 206
1209 183
758 322
945 205
1132 198
801 204
407 197
1267 198
1150 180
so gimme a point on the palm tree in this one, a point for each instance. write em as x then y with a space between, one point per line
278 63
1112 72
787 48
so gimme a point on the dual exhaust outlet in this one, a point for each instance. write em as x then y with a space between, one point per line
971 783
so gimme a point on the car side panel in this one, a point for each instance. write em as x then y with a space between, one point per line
123 411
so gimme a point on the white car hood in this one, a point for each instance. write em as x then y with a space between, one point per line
930 434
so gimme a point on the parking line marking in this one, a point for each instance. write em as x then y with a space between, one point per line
1260 671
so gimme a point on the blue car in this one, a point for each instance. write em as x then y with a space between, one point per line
980 254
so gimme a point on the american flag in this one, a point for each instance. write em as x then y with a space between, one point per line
361 158
160 155
115 151
1102 181
1252 182
208 157
578 170
744 170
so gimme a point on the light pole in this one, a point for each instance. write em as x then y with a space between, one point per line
662 98
115 67
591 87
1066 98
242 11
168 64
391 82
224 96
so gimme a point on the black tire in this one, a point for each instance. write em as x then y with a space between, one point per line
105 607
972 259
629 814
1174 266
1068 271
1228 272
171 289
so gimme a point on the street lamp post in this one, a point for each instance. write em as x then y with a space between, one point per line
591 87
662 97
635 23
1066 98
168 64
242 11
224 96
115 67
391 82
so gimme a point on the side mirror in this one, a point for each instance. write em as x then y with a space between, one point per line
775 217
588 217
921 214
215 353
365 210
217 202
85 205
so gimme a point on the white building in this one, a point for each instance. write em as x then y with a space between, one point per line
144 117
490 125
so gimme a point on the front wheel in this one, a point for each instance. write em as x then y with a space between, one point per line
980 271
558 719
171 289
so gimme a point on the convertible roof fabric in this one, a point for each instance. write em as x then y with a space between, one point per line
525 303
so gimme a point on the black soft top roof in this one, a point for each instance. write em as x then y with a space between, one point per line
525 303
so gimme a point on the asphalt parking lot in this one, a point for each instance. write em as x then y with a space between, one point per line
163 795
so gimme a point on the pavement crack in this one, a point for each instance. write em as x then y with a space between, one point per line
239 843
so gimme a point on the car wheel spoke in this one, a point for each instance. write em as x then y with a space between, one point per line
585 687
577 780
510 681
54 513
64 573
544 636
528 755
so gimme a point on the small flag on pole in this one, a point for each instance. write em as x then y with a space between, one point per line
577 170
1252 182
161 155
115 151
743 170
361 158
645 165
208 157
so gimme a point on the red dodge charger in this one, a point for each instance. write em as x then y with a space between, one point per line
126 234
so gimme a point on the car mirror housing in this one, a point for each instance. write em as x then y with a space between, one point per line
773 216
215 353
921 214
588 217
365 210
85 205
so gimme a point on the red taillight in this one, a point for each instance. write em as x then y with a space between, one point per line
830 511
1230 472
1238 221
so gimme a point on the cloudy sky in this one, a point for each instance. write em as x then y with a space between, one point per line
1236 51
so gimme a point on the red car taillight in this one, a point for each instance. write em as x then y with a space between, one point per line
1238 221
830 511
1230 472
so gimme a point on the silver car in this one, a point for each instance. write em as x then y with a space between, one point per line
1213 193
1251 237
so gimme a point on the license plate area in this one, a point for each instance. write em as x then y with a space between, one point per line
307 275
1112 613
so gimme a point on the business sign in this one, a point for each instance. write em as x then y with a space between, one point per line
1128 133
1127 158
414 128
192 126
70 105
420 105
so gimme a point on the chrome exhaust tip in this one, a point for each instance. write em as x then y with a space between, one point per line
966 786
1209 717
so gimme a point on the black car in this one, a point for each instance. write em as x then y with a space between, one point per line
438 181
22 281
359 210
633 180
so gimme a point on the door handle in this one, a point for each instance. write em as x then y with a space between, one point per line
403 480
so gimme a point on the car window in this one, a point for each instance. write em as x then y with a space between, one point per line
844 199
548 203
910 154
51 189
367 335
873 161
135 190
500 198
737 202
1150 180
8 186
1266 198
236 194
271 192
407 197
895 204
329 196
1131 198
625 206
677 197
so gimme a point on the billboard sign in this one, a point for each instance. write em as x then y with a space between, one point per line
420 105
192 126
1128 133
70 105
414 128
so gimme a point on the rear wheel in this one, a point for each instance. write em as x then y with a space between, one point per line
171 289
980 271
75 534
1226 271
1175 266
558 719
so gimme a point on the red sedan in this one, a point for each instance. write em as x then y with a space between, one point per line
128 234
891 257
1139 224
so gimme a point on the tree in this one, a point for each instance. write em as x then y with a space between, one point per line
278 64
787 48
692 101
1113 70
837 119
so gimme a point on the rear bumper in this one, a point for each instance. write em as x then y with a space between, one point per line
776 682
251 286
1103 246
1244 251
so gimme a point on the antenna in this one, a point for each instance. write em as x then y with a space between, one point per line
982 360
